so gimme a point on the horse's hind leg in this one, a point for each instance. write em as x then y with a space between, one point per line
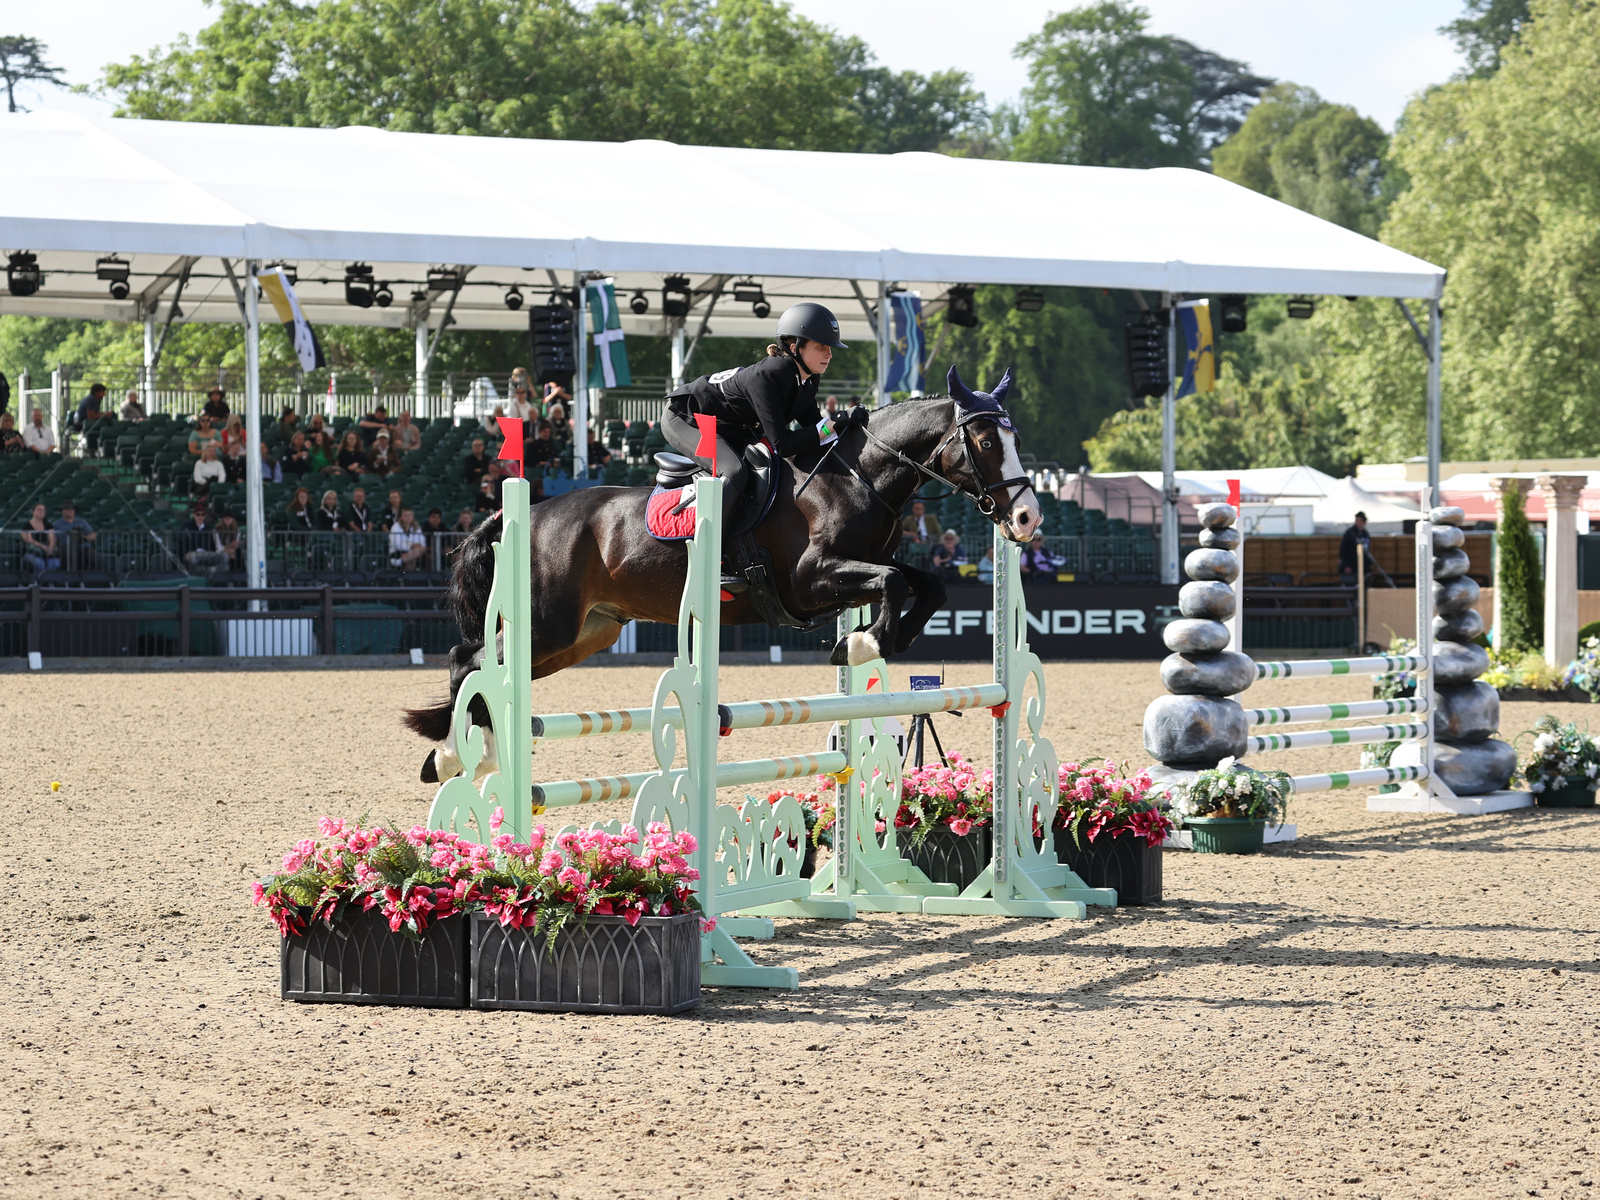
600 629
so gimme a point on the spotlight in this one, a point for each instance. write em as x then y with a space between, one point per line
1029 300
1235 313
1301 308
514 298
676 296
640 303
358 285
762 309
383 295
961 309
22 273
748 292
443 279
114 271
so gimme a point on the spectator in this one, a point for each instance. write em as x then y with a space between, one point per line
38 436
352 459
375 420
208 469
986 565
216 406
554 393
328 517
540 450
288 422
271 470
75 539
560 428
89 407
521 405
407 437
204 431
477 463
407 542
948 554
359 518
10 439
1352 546
434 523
132 409
317 424
296 459
921 527
39 550
323 456
599 456
381 459
463 522
1036 562
390 516
299 509
830 406
228 539
233 448
197 540
486 500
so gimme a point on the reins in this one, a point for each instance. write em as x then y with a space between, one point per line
985 503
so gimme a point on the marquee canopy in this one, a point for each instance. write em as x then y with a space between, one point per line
530 213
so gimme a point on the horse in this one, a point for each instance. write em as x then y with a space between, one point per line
832 533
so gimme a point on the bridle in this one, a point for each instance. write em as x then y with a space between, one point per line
985 502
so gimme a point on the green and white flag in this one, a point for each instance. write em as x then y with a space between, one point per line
608 367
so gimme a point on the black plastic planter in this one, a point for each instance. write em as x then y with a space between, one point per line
362 961
604 966
1125 862
1572 793
945 857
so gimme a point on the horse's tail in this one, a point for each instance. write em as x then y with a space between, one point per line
467 600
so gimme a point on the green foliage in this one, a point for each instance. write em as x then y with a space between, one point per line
1521 598
22 61
1486 32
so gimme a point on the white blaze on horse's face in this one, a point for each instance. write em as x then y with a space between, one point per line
1024 518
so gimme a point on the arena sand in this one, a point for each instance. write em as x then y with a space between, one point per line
1392 1006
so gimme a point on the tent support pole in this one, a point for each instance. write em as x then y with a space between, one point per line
1169 454
255 518
419 326
1435 405
885 333
580 390
147 377
677 353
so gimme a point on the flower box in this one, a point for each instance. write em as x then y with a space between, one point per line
603 965
947 857
1226 835
1124 861
1568 792
362 961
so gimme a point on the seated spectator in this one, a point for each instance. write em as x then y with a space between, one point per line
390 516
323 456
1036 562
296 457
132 409
554 393
208 469
10 439
75 538
227 540
948 554
38 436
352 459
317 424
540 450
830 406
599 456
375 420
407 437
233 448
328 516
299 509
39 550
486 500
204 431
288 422
271 470
921 527
358 518
477 464
434 523
89 407
381 459
215 407
197 540
560 428
986 565
407 542
521 404
463 522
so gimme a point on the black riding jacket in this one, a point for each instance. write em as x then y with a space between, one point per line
757 401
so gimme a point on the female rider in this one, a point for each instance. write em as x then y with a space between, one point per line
759 401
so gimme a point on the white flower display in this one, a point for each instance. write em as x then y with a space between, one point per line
1559 753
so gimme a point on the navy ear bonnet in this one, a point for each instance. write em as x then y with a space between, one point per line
991 404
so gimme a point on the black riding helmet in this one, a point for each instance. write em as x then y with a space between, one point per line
812 322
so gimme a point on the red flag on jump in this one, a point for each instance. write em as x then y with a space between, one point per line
707 445
1233 492
511 447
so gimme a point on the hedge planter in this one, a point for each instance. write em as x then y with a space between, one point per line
1226 835
1574 793
1125 862
362 961
945 857
604 966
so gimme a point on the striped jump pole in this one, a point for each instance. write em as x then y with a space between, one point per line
1302 713
1357 735
729 774
1365 777
1320 668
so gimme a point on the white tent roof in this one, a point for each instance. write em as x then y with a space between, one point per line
1336 510
804 224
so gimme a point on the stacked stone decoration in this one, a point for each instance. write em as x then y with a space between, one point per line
1466 713
1198 725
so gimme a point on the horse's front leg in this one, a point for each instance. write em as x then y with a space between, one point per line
841 582
927 597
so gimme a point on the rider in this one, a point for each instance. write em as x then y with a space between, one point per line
759 402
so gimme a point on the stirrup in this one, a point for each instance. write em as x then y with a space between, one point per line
735 585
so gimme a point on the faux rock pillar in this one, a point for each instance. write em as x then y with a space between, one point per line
1500 484
1199 723
1560 493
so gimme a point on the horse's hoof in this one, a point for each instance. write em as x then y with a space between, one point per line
841 654
430 773
861 648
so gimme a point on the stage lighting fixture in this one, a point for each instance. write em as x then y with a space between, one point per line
1235 313
1029 300
514 298
1147 355
1301 308
748 291
676 296
639 303
383 295
113 270
961 309
443 279
358 285
762 309
22 273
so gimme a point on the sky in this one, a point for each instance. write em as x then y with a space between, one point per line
1371 54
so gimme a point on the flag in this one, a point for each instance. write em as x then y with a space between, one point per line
608 367
511 445
1200 363
277 288
908 353
706 447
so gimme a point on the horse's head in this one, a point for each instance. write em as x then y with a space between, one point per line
982 456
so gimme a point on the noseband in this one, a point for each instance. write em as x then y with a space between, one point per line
981 497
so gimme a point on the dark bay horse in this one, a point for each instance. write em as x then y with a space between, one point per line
595 567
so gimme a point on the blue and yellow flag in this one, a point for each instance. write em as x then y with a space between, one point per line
908 353
1200 361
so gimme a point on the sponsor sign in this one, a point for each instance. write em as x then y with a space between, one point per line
1064 622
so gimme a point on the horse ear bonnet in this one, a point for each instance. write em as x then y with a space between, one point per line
972 402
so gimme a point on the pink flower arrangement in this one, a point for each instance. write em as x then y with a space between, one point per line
954 794
1106 800
818 809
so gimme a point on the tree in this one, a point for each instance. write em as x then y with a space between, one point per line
22 61
900 111
1482 35
1104 92
1522 599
